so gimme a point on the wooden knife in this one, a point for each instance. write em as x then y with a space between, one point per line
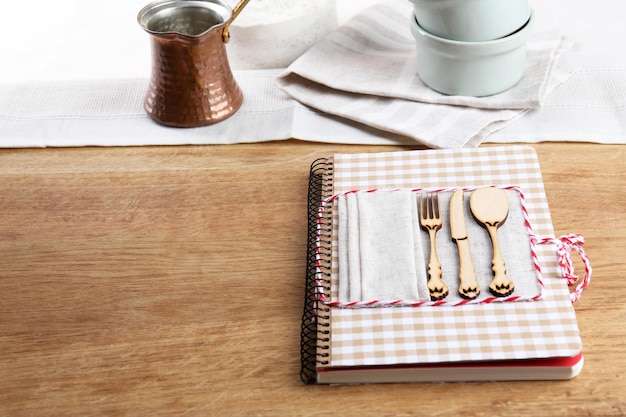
468 287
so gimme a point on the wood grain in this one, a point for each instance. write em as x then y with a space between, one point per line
468 286
490 207
169 281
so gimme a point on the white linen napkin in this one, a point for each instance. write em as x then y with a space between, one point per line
110 113
380 250
366 72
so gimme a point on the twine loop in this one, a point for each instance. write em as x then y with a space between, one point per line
565 245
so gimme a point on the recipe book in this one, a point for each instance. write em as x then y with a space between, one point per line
531 334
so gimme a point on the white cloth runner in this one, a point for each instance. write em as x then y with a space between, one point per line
110 113
589 107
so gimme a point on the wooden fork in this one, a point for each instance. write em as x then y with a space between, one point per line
431 221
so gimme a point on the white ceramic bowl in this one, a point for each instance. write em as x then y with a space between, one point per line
471 68
273 33
471 20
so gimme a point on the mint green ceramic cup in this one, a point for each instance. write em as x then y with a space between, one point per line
471 20
471 68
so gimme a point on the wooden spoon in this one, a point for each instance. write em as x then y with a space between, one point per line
490 207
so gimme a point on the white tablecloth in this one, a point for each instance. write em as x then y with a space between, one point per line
83 45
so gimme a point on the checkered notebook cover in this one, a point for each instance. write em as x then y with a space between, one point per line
401 336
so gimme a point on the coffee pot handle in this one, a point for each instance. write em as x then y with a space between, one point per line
236 10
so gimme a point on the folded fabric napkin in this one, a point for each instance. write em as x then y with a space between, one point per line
366 71
380 250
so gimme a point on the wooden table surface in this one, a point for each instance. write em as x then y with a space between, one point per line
169 281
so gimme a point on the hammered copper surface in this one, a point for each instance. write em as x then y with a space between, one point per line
191 83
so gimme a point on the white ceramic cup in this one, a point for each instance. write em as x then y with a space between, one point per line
471 68
471 20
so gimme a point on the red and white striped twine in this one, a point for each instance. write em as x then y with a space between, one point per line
565 245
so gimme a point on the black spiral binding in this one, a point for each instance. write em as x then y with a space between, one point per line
315 332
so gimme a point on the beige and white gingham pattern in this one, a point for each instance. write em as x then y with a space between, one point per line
383 336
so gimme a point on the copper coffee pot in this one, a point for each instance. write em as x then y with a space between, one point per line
191 83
